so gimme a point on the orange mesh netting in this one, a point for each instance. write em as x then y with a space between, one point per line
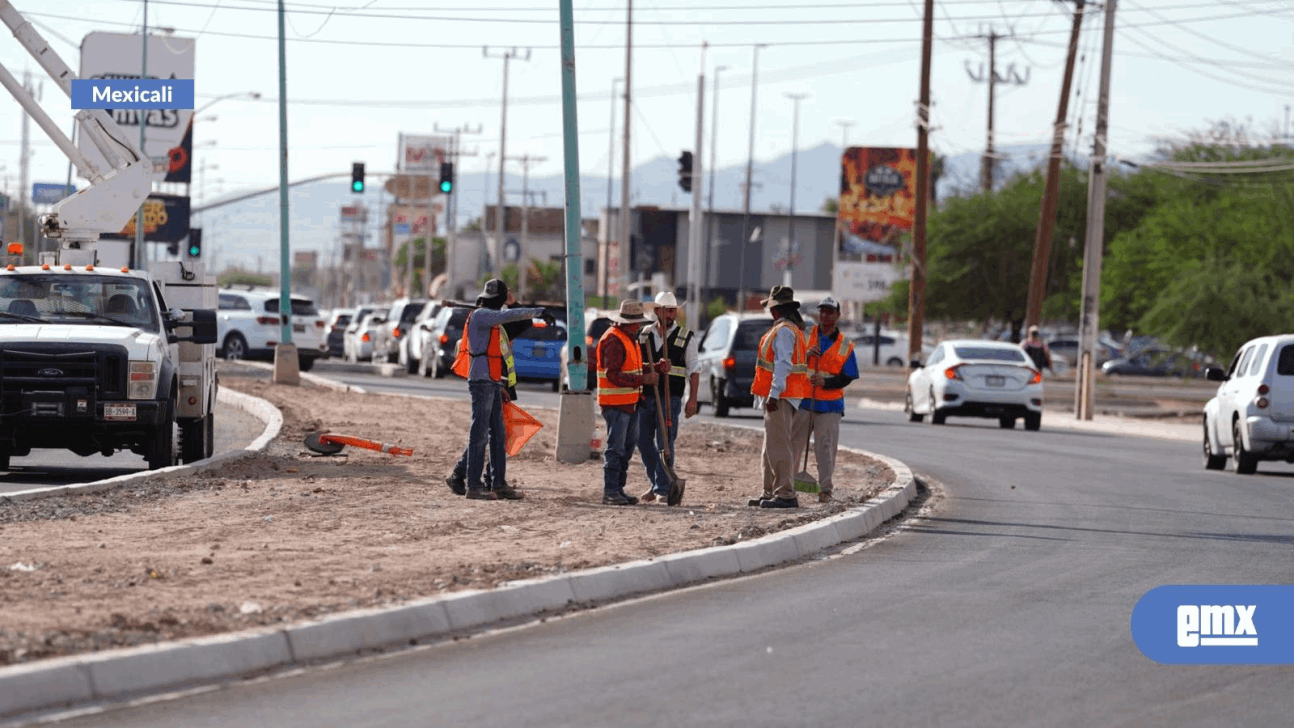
520 427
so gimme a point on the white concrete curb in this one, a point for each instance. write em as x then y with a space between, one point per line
255 406
118 674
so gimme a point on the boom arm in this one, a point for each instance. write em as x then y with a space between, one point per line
113 196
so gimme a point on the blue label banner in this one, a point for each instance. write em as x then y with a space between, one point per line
1216 625
44 193
132 93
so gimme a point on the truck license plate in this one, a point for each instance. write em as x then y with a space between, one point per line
995 381
119 412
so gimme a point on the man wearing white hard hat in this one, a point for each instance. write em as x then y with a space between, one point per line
670 342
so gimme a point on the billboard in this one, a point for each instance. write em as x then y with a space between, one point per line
410 221
168 138
877 197
166 219
420 153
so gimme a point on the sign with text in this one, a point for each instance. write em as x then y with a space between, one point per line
166 219
128 93
877 194
47 193
864 282
422 153
168 134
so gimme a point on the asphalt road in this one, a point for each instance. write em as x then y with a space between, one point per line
1008 604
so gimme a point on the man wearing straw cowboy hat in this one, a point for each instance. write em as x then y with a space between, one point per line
620 381
485 360
668 342
831 368
781 384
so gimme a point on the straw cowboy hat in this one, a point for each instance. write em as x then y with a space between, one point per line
631 312
781 296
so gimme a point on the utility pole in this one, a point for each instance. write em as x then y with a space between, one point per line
626 258
750 164
844 125
695 221
605 268
714 146
1091 303
992 79
917 288
1047 217
795 144
503 141
522 260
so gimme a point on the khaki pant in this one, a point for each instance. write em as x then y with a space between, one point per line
782 430
825 427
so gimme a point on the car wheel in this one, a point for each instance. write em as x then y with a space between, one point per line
1006 423
305 363
410 365
1211 461
907 407
720 402
193 439
936 417
556 385
1246 463
894 361
235 347
1033 421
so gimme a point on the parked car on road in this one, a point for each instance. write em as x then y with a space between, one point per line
727 355
976 378
349 336
536 353
360 337
411 343
337 323
439 340
596 324
894 349
386 346
1251 418
1153 363
248 326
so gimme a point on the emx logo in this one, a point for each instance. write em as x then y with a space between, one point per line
1216 625
1211 625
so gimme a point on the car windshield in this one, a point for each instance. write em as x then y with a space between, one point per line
300 307
80 299
411 311
750 332
988 353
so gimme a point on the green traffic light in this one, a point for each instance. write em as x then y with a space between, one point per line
446 186
194 251
357 186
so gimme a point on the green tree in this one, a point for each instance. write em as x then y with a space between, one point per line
243 278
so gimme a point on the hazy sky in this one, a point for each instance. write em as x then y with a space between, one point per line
361 72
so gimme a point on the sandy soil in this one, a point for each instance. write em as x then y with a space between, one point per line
285 536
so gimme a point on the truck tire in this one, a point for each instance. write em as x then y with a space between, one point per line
161 447
195 439
304 363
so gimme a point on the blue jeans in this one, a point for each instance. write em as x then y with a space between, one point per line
649 441
622 435
487 429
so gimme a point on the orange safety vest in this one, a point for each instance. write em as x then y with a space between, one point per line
829 363
498 353
797 382
608 393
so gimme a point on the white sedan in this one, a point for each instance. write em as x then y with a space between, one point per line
974 378
1252 417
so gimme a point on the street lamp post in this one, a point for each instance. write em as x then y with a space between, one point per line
795 143
611 171
750 163
714 143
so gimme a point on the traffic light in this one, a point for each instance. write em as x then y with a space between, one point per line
357 178
195 242
685 171
446 177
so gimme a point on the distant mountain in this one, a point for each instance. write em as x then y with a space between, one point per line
246 232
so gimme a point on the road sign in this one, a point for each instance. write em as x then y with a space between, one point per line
403 228
46 193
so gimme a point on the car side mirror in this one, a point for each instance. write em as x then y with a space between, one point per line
1215 374
914 364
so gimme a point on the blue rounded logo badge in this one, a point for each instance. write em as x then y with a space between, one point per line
1216 625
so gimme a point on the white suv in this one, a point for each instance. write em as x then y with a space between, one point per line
248 326
1252 416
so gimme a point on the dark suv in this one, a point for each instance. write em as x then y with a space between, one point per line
442 336
727 356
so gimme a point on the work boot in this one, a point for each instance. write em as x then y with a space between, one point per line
507 492
618 499
457 483
757 502
649 496
825 497
792 502
480 494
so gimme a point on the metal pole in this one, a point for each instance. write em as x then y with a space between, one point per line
844 132
24 173
1091 302
745 205
1047 216
285 257
522 283
795 144
141 253
605 264
501 211
917 288
695 221
714 145
625 170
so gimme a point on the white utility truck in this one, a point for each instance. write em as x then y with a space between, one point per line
97 357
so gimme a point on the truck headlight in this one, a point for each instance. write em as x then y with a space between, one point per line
143 380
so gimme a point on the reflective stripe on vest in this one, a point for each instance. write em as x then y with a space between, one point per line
498 355
829 363
608 393
678 342
797 381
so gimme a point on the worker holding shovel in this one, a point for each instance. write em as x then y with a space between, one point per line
666 341
831 368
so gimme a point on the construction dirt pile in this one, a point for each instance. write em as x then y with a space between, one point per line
286 536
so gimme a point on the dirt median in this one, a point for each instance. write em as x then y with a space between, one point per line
285 536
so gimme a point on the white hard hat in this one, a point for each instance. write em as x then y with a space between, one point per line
829 302
666 299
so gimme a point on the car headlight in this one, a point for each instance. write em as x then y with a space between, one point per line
143 380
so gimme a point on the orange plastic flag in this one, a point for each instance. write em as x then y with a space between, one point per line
520 427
